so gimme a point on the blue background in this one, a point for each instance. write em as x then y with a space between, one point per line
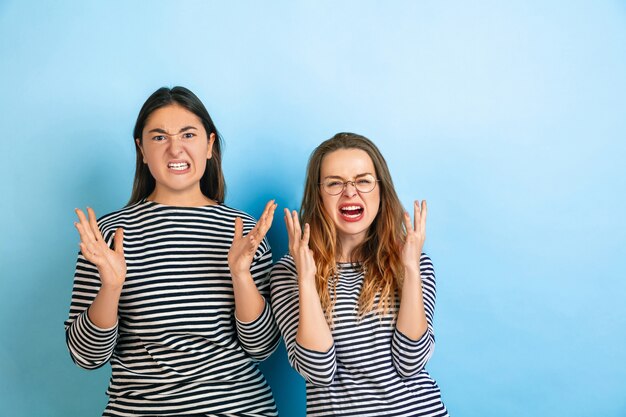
508 117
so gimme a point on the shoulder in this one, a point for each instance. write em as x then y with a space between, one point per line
228 214
425 260
426 266
231 213
122 217
234 212
284 268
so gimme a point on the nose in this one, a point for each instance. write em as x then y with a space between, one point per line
350 189
175 146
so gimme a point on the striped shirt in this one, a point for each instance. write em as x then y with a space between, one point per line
372 369
177 348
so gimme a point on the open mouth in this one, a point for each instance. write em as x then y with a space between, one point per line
178 166
351 212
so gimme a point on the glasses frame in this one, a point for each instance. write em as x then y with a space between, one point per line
354 184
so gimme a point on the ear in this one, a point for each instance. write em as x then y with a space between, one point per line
210 149
138 142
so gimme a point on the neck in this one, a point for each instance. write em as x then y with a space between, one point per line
195 199
348 243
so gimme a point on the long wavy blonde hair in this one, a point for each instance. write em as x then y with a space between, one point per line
378 255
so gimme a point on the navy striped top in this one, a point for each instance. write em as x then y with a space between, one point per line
372 369
177 348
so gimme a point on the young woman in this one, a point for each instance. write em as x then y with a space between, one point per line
172 288
354 298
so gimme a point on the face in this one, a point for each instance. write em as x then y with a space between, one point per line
176 148
352 211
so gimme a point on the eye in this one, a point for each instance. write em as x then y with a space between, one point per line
365 181
159 138
188 135
334 183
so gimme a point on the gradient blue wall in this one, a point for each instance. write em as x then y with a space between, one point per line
508 117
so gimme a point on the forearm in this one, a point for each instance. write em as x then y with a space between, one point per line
260 337
103 311
313 331
91 343
249 302
413 341
412 316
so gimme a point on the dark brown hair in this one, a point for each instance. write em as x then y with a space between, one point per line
212 182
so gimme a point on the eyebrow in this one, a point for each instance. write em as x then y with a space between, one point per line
341 178
159 130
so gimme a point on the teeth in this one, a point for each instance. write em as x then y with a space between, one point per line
351 212
179 166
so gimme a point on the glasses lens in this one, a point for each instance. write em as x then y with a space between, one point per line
333 187
365 184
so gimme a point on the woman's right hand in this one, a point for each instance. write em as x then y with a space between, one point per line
111 263
299 248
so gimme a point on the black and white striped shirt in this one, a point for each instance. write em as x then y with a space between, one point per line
177 348
372 369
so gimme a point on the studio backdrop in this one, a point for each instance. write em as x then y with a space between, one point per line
507 117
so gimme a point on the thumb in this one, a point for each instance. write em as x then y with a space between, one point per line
238 227
118 241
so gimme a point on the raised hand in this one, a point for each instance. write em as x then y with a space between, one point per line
243 247
111 263
313 332
299 248
415 236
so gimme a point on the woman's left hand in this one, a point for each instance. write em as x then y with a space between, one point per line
415 236
243 247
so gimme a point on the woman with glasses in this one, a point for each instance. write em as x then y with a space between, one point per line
355 297
172 289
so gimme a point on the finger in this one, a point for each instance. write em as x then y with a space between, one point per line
417 214
306 235
88 253
83 250
407 222
270 215
269 208
265 222
93 224
118 241
238 228
297 229
87 234
84 237
288 224
424 212
254 235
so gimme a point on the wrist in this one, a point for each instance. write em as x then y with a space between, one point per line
111 289
411 272
307 285
241 276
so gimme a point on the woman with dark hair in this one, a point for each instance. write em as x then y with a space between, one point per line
172 288
355 297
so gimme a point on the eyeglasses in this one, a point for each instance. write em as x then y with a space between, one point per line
363 184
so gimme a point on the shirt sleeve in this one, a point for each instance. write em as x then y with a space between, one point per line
90 347
260 337
318 368
410 356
